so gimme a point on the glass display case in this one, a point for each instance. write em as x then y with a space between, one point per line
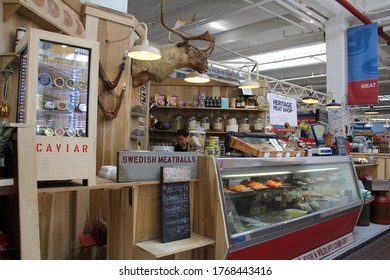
276 200
58 95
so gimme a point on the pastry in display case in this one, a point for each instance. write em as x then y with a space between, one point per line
282 208
57 94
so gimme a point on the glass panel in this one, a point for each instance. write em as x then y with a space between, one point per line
257 197
62 94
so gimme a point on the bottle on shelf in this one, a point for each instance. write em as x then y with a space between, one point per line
207 102
243 102
219 102
238 103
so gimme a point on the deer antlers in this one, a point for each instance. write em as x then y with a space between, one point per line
204 37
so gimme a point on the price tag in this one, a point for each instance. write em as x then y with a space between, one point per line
266 154
279 154
288 154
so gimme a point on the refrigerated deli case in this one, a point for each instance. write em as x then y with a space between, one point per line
285 208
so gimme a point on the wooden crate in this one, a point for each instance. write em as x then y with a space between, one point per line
252 150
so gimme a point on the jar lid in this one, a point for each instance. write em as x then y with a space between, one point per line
178 116
218 117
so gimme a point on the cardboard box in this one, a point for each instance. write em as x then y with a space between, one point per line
225 102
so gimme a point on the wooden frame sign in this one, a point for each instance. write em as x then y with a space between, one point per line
175 203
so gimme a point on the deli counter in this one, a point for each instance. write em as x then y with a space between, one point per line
281 208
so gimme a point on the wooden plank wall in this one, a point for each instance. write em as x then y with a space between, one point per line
65 215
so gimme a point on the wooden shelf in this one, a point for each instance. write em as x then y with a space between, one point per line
159 250
365 165
209 108
174 131
101 184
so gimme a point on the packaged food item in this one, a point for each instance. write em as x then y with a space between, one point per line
159 99
172 100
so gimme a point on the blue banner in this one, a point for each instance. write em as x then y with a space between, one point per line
363 64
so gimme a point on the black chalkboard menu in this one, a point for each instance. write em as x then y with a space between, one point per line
341 144
175 209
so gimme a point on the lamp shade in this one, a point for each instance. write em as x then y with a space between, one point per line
371 111
333 105
144 52
197 78
310 100
249 84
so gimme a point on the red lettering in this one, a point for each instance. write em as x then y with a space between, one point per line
85 148
76 149
58 146
67 148
38 147
48 148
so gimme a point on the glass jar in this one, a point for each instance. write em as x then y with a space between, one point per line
257 124
218 123
191 121
232 120
205 122
244 125
177 122
197 140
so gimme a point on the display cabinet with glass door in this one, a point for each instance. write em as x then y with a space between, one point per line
58 93
283 208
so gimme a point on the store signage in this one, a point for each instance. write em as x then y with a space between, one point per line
363 64
328 248
282 110
61 148
222 73
308 118
175 203
145 166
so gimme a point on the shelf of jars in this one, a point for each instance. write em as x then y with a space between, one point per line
174 131
252 109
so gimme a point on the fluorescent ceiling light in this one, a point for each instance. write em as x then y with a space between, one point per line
220 25
307 55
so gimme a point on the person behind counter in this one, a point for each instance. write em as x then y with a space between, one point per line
182 140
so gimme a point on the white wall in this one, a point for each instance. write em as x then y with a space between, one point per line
119 5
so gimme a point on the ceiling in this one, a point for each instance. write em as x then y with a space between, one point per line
252 27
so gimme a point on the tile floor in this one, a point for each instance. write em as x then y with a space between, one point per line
371 243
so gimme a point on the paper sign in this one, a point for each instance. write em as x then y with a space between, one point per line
282 110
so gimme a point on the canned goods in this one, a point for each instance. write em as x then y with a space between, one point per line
209 151
216 151
214 141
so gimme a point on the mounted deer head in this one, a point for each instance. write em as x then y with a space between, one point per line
174 56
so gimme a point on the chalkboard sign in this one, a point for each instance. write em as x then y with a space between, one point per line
341 144
175 206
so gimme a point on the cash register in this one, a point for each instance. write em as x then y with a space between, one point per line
320 149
